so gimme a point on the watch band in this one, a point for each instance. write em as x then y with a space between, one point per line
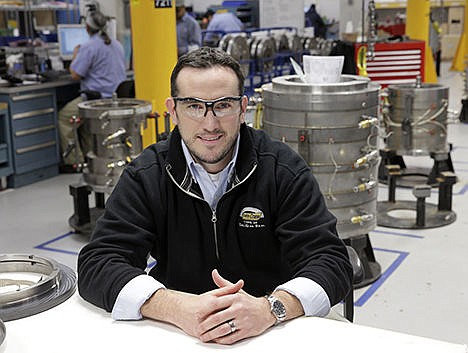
277 308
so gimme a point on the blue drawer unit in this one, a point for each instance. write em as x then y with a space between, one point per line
6 160
34 135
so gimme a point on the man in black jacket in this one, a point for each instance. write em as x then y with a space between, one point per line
236 222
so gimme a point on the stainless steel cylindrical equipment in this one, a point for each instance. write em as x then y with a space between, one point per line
335 129
415 119
115 126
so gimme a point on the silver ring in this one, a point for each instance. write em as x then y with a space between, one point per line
232 326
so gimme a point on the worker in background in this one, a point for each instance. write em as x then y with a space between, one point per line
435 42
99 65
313 19
221 22
188 30
236 222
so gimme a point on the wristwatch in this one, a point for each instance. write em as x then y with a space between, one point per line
277 309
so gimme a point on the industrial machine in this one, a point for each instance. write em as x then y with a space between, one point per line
334 127
115 125
415 120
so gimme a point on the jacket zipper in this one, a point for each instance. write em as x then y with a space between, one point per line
214 218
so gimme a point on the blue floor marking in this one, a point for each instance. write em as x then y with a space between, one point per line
399 234
360 302
459 148
376 285
463 190
44 246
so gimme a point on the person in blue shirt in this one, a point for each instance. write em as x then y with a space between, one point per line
313 19
221 22
188 30
99 65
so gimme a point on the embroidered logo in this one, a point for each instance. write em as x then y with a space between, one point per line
251 217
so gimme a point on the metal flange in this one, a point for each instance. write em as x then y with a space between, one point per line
433 216
31 284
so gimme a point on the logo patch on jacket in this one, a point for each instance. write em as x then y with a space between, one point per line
251 217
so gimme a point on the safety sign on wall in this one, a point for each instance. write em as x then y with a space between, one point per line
162 3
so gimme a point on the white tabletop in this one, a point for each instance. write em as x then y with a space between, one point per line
77 326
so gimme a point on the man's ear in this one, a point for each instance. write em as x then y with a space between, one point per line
170 106
244 103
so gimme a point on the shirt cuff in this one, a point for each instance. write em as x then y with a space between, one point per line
133 295
312 296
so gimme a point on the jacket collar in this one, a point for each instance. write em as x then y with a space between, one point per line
176 164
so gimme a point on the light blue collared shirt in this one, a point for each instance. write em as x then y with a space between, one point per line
213 186
188 34
101 66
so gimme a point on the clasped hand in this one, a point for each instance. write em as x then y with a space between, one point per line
224 315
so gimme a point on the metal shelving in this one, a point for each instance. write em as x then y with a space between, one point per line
24 12
386 4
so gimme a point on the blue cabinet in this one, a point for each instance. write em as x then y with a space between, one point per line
6 162
33 134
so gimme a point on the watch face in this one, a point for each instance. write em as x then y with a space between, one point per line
278 309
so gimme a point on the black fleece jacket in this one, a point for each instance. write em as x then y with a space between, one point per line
270 226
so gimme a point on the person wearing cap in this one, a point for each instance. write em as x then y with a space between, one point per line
188 30
221 22
99 65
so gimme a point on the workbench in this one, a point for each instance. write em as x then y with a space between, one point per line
77 326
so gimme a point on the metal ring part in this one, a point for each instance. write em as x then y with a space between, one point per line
30 284
2 332
223 43
238 48
232 326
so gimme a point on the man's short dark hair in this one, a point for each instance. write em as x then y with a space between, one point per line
205 58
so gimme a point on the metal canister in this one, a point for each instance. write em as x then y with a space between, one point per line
335 129
115 126
415 119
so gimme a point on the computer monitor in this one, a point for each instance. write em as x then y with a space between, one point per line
69 36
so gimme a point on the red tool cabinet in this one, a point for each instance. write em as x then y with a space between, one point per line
395 63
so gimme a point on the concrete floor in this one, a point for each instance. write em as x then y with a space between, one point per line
423 288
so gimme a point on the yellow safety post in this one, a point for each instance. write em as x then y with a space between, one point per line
417 28
154 43
461 55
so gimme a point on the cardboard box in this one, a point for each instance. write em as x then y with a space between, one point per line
455 20
448 45
349 37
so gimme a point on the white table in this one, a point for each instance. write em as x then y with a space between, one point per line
77 326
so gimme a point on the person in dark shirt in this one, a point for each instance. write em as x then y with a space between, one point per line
239 229
313 19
